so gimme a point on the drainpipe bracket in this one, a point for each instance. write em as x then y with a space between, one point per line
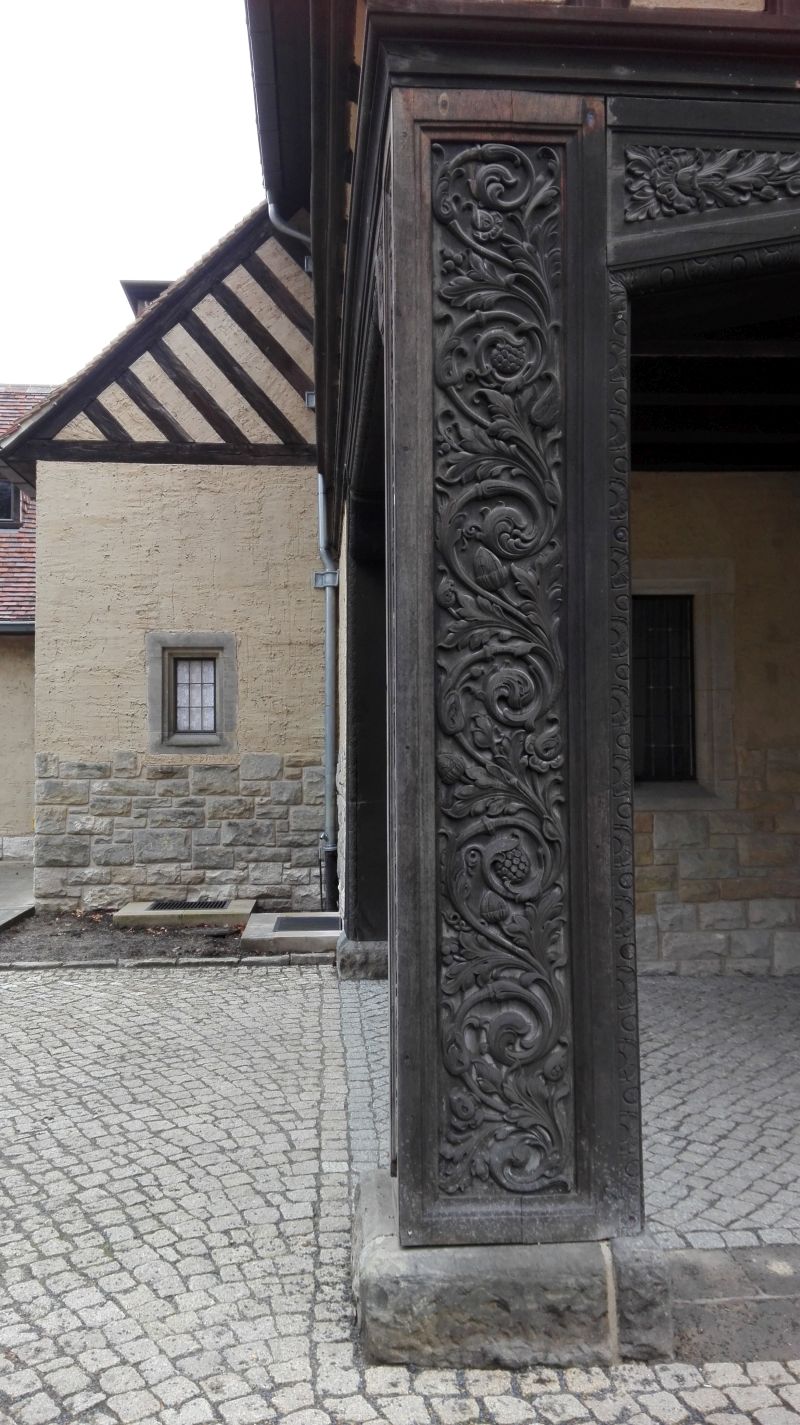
326 579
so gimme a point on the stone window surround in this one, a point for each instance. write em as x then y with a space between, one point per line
161 648
711 584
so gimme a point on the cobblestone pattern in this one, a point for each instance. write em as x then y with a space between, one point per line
721 1105
132 828
719 891
721 1111
174 1225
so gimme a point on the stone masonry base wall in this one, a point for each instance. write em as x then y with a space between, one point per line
718 891
133 828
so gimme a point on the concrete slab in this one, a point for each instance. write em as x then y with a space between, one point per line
139 913
260 934
16 891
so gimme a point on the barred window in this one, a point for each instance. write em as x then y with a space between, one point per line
663 688
195 694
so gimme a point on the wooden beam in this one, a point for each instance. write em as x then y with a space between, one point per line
162 452
678 400
280 295
776 350
155 322
263 339
240 379
195 392
152 407
105 422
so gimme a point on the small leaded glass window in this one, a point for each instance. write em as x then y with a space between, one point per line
195 694
663 688
9 503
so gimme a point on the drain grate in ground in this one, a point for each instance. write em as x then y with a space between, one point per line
307 922
188 905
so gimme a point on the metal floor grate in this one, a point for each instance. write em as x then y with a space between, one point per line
189 905
307 922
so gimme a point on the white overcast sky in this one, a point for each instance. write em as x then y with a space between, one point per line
129 149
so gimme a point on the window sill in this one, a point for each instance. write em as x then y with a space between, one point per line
675 796
192 739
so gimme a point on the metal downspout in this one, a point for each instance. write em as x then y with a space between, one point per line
281 227
329 581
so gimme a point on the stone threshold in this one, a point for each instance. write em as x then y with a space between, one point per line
178 962
736 1304
10 915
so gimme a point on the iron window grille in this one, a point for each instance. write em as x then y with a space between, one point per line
9 505
195 694
663 688
192 687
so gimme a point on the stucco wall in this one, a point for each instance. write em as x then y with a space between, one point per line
127 550
718 882
16 744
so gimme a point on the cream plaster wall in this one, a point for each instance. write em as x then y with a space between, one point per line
125 549
16 743
718 876
753 521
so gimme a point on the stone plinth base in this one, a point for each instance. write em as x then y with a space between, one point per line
566 1304
362 959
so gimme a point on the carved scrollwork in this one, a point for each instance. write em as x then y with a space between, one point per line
662 182
504 1008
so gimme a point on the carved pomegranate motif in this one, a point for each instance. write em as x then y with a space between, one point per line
504 1007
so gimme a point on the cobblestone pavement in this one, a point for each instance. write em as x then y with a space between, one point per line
721 1104
721 1110
174 1219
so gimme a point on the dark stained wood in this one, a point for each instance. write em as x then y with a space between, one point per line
152 325
240 379
152 407
280 294
105 422
721 350
195 392
262 338
162 452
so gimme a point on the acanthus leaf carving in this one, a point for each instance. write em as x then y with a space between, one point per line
664 182
504 1000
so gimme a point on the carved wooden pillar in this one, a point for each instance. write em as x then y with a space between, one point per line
514 1011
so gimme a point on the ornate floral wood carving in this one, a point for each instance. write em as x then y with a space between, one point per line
663 182
622 891
504 1007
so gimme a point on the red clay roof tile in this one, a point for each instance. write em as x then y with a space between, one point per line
18 546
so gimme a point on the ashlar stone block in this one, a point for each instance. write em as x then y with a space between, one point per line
158 846
219 779
228 808
260 767
62 850
722 915
680 830
708 865
772 912
786 952
69 793
509 1306
248 833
